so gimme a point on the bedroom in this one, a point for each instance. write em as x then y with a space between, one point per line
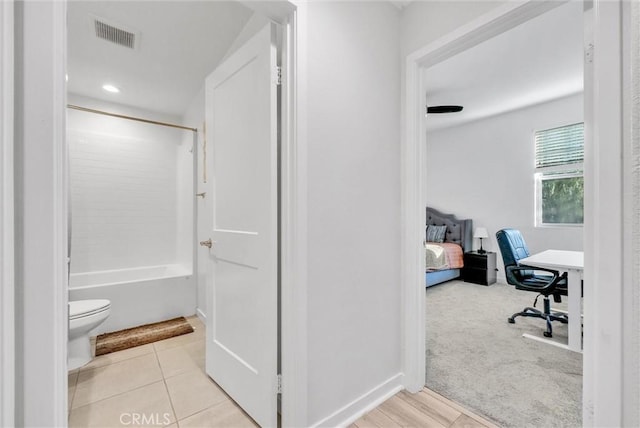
486 154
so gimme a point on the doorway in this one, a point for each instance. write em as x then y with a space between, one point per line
414 159
283 13
195 114
524 80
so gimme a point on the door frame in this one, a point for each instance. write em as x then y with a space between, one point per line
603 383
7 301
51 401
40 226
293 221
292 16
631 219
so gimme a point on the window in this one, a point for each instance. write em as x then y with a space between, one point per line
559 176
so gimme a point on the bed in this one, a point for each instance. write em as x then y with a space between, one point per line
444 260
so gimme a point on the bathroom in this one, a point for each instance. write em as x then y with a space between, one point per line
133 183
132 215
137 181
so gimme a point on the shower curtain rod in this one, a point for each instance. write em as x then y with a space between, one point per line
122 116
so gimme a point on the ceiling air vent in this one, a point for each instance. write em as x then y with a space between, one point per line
113 34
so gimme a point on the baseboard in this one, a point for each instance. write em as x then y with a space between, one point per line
363 404
201 316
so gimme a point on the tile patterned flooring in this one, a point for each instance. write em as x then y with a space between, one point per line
159 384
165 384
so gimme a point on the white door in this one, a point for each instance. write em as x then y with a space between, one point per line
242 310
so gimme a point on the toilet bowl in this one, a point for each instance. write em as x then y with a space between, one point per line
84 316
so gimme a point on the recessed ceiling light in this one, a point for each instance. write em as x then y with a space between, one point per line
110 88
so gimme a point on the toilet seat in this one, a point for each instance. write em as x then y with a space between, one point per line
85 308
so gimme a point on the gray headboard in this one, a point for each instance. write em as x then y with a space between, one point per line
458 231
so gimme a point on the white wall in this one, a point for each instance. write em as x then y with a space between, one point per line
256 22
353 202
631 296
131 187
426 21
7 292
484 170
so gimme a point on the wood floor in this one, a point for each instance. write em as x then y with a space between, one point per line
424 409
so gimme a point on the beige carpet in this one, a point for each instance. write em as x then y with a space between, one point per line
137 336
476 358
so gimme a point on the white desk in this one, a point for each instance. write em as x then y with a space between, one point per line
571 262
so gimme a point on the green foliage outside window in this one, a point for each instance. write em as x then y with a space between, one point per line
563 200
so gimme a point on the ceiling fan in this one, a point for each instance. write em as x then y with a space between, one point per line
443 109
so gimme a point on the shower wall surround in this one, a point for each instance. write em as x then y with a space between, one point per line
123 196
131 212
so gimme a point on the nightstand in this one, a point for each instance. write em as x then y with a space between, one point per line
479 268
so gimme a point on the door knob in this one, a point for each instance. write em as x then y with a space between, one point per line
207 243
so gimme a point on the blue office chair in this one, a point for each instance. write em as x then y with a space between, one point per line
513 249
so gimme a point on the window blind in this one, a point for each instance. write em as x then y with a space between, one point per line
560 146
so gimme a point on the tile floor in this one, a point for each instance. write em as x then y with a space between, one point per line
164 384
159 384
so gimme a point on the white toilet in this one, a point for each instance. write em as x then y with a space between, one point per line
84 316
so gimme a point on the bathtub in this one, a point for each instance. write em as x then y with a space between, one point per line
139 295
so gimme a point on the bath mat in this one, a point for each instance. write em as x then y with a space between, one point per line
137 336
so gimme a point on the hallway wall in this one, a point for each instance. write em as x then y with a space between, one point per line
425 21
353 203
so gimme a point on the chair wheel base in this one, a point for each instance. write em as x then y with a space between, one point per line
547 334
511 321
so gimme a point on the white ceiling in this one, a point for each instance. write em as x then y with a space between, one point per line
400 4
537 61
181 42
